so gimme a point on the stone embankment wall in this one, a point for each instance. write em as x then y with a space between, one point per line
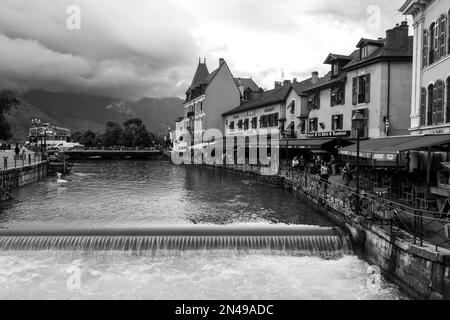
18 177
420 271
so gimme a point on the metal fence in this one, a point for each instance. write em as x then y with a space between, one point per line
412 224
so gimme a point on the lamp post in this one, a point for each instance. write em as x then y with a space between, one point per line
36 122
358 120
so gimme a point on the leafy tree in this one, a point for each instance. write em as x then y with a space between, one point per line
8 100
113 134
136 134
88 139
77 136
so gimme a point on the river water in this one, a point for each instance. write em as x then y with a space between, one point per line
137 194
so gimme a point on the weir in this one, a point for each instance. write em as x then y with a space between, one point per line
291 239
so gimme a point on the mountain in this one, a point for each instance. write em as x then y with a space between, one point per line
80 112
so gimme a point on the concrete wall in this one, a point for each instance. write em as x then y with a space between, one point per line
23 176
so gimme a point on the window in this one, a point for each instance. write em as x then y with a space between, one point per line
314 101
433 43
240 124
302 126
335 69
255 123
313 125
423 107
232 125
361 89
442 35
438 103
337 122
337 96
364 52
363 127
291 107
448 100
425 49
246 124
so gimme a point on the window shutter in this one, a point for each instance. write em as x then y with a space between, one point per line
435 106
355 91
318 100
448 99
436 41
343 96
430 105
368 88
425 49
442 35
423 107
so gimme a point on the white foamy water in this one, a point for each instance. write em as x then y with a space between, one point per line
188 275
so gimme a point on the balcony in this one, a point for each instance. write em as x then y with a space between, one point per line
191 114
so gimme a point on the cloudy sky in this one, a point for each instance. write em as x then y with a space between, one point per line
141 48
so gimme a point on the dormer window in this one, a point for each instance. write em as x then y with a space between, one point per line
335 69
364 52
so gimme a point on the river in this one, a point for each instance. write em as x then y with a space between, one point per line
137 194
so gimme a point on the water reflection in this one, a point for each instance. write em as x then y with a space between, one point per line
148 193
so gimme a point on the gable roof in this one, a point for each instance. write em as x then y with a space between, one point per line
266 98
300 87
333 57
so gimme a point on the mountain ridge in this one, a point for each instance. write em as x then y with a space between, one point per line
82 112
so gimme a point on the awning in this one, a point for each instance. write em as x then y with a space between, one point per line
387 149
305 144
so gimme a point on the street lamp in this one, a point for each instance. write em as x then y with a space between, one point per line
36 122
358 120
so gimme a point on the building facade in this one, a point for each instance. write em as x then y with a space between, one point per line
263 111
430 106
373 82
208 97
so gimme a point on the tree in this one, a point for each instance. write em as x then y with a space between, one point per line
8 100
135 134
88 139
113 134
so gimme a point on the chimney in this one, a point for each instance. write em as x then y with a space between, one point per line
314 77
277 84
221 61
398 38
286 82
294 80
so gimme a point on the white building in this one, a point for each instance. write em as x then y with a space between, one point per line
430 107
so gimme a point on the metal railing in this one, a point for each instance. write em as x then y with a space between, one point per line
411 223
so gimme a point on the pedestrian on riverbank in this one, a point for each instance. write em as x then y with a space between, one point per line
333 165
347 175
295 163
324 172
302 164
17 150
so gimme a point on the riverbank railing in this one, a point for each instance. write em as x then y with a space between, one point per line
420 225
21 160
402 220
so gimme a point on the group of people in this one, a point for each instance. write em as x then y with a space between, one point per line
18 150
325 169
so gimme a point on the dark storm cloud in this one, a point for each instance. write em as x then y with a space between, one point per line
138 48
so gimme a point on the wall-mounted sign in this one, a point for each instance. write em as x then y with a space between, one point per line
384 157
329 134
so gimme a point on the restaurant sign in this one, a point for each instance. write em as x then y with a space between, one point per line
384 157
331 134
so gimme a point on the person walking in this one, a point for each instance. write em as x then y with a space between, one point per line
324 172
302 164
295 163
17 150
347 175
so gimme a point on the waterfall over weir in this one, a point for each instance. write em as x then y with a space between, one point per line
292 239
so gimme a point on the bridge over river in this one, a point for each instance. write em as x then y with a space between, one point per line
113 154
